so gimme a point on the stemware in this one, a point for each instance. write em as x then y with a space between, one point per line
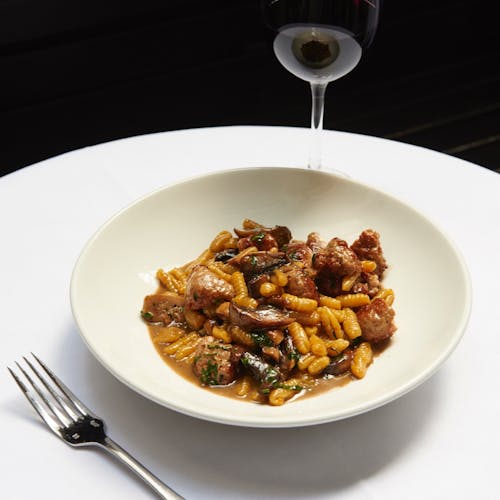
320 41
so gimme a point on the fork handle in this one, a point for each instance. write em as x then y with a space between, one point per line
160 488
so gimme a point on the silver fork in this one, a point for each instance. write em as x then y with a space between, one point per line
75 424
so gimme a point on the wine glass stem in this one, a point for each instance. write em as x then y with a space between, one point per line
318 107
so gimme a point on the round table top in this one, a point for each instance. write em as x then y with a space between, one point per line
439 440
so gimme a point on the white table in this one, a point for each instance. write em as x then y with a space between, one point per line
442 440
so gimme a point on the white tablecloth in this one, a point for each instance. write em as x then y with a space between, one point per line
442 440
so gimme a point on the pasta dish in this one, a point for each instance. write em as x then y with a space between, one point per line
267 318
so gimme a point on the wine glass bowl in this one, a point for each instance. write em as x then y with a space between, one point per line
317 53
320 41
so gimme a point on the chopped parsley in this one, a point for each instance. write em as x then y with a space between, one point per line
261 338
146 315
209 374
258 237
271 377
219 346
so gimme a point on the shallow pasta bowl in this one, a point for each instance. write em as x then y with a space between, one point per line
173 225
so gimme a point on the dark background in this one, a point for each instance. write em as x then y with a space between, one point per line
75 73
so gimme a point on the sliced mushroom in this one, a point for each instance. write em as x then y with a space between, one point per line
265 374
261 262
264 317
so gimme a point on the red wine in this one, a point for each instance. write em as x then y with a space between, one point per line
317 53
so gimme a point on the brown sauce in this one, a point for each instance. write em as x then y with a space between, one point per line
320 385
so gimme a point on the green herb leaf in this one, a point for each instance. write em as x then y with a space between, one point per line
209 374
258 237
146 315
261 338
223 347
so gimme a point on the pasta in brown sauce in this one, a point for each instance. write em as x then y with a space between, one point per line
266 318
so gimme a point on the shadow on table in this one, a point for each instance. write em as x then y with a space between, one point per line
242 462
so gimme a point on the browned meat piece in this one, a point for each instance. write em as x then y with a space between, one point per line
205 289
376 321
329 284
367 247
216 363
340 364
333 263
163 308
337 259
242 244
260 239
299 251
260 262
264 317
266 242
265 238
300 284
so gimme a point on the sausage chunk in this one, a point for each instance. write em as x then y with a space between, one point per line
204 289
338 259
367 247
162 308
300 284
216 363
333 263
376 321
298 251
264 238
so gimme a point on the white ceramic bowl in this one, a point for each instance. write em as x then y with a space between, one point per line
174 224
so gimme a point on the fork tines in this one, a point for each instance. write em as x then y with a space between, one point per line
55 403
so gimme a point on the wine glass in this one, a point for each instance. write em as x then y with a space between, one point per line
320 41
